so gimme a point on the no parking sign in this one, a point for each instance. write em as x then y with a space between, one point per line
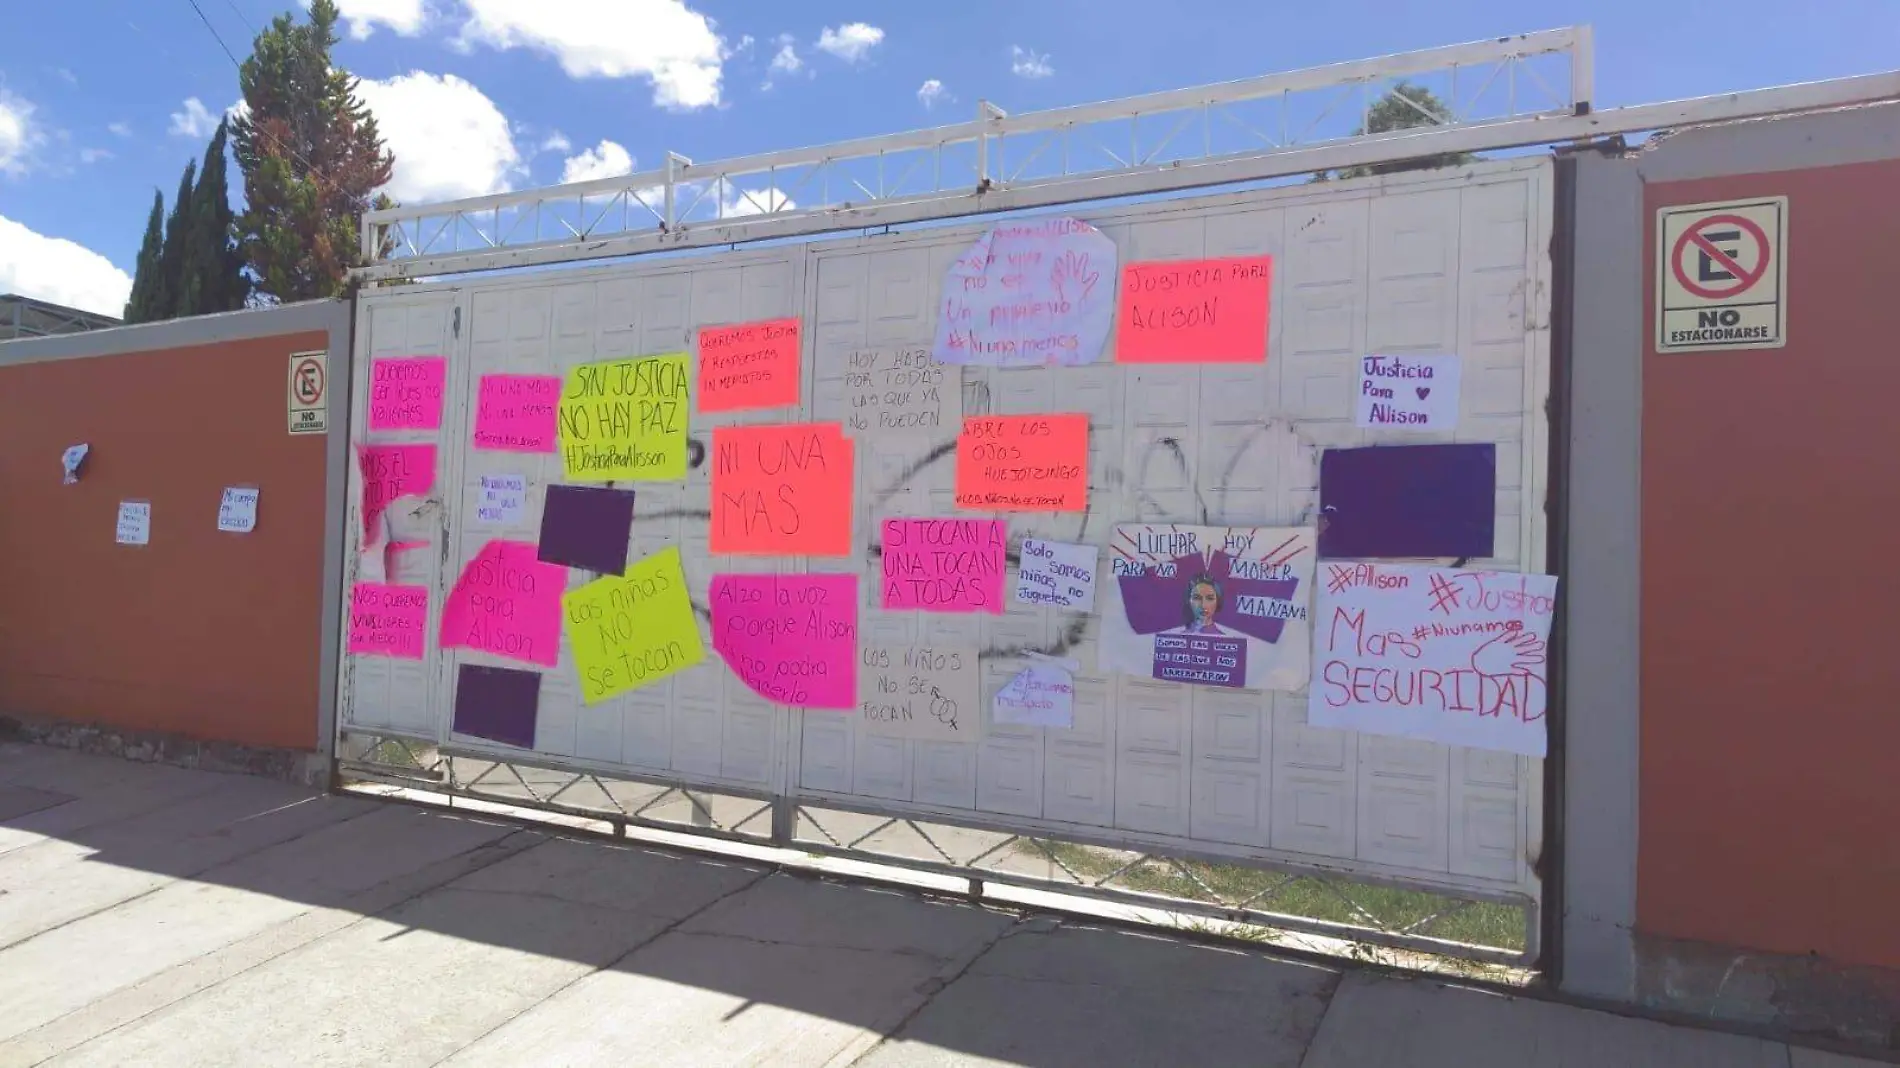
1721 275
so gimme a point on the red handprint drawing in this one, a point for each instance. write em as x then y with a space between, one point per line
1514 652
1073 267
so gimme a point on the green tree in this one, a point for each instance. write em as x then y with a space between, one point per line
171 256
311 156
148 278
210 274
1405 106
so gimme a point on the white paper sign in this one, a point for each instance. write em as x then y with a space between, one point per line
1039 292
1056 573
70 460
1433 653
135 523
1041 695
901 390
920 691
502 498
237 511
1409 392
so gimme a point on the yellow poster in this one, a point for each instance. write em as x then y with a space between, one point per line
629 630
625 419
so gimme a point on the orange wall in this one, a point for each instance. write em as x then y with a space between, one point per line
201 633
1770 784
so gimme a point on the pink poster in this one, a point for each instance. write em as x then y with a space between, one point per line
944 565
507 603
515 413
793 639
389 472
406 393
388 620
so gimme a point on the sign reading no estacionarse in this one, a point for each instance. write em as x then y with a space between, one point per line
1721 275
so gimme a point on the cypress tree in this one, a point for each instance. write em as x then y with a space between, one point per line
171 257
148 276
212 274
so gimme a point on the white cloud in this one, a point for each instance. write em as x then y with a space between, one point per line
194 121
605 160
93 155
449 139
239 109
1025 63
120 129
556 142
405 17
18 133
663 41
851 41
67 76
785 60
60 271
931 92
743 48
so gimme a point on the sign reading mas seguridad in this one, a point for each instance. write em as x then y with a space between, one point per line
1722 275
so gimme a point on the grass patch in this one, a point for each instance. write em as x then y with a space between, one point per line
1476 922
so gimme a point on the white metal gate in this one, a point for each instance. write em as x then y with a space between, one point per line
1452 261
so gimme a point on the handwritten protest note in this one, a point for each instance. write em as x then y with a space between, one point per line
792 639
406 393
944 565
899 390
237 509
1030 293
502 498
1433 653
625 419
388 620
1409 392
516 413
751 365
1195 311
920 691
1040 695
630 630
1034 463
135 523
507 603
1212 606
1056 573
389 472
782 490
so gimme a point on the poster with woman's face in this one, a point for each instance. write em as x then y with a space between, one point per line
1210 606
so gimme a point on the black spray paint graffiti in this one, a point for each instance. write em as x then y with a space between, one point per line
1110 479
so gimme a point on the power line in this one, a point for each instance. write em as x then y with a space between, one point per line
215 35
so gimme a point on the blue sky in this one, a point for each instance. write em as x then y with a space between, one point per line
101 101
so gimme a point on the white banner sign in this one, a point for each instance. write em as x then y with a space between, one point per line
503 497
1055 573
1409 392
1432 653
237 510
1041 695
1030 293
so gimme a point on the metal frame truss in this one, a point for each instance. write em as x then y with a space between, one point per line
1512 92
1336 908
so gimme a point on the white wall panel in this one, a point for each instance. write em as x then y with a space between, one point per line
1449 262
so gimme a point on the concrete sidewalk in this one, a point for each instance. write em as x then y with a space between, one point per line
155 916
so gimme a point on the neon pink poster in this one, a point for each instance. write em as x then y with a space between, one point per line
392 471
507 603
944 565
388 620
515 413
792 639
406 393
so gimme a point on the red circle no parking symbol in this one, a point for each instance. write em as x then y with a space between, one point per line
1718 273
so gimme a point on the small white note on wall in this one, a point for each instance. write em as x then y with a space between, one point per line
1409 392
237 511
503 497
135 522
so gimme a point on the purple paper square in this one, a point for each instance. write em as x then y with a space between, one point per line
1408 500
499 704
587 527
